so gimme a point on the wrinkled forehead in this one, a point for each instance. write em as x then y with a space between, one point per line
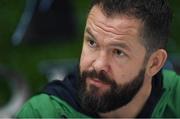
118 24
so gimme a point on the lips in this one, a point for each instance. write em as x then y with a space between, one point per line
96 82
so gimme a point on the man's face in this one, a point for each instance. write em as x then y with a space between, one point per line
112 61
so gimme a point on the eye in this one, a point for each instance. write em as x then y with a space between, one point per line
91 43
118 52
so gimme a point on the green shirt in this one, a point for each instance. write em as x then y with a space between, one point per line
169 103
45 106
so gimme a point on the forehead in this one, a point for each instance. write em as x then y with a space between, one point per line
115 24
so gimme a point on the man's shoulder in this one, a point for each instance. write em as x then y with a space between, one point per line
171 85
44 105
66 90
169 104
170 79
57 99
39 106
169 73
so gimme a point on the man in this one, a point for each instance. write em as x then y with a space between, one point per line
120 67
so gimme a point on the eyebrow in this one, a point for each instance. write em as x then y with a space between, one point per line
115 44
89 32
122 45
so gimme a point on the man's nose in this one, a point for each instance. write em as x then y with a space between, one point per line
101 63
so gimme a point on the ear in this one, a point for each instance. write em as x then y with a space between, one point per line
156 62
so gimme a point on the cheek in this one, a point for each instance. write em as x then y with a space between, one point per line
124 77
82 60
85 60
124 74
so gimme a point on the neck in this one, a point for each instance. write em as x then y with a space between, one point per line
134 107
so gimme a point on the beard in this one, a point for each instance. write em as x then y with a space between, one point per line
116 96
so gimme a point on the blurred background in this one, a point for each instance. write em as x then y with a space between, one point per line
40 40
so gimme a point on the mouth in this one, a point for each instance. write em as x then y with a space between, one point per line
96 82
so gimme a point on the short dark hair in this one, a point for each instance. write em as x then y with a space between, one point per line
155 15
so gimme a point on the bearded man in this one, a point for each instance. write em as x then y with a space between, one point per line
120 73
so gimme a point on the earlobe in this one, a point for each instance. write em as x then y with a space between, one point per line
156 62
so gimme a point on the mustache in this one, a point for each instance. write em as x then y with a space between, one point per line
102 76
